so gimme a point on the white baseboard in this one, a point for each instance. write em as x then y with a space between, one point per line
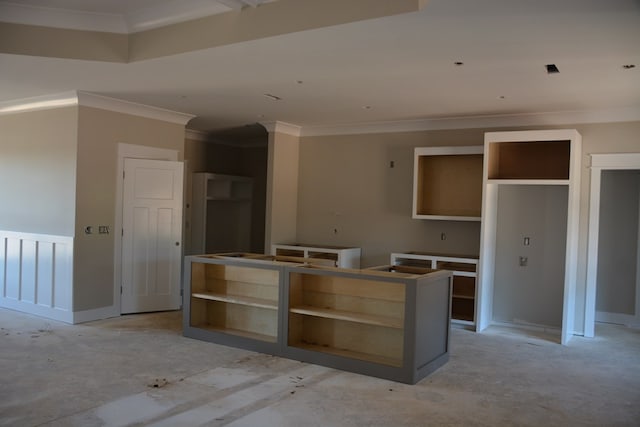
618 319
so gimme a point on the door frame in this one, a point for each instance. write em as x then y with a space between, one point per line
130 151
600 162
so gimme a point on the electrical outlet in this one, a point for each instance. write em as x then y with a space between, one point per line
103 229
524 261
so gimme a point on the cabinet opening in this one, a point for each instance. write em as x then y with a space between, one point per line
464 287
462 309
529 160
449 185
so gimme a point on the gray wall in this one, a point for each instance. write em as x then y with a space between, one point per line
38 171
533 293
618 241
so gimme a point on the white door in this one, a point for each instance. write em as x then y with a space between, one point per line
151 235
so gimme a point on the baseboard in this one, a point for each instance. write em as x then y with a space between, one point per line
37 310
618 319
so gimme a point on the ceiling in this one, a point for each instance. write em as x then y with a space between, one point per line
395 68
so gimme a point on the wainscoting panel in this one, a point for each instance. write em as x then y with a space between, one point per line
36 274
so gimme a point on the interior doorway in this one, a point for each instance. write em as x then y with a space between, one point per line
613 263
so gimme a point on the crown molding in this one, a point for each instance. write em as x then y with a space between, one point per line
46 102
282 127
195 135
473 122
87 99
79 98
62 18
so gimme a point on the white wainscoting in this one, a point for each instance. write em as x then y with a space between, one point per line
36 274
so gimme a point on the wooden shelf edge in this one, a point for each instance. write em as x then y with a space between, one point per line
460 296
373 358
237 299
528 181
238 332
447 217
369 319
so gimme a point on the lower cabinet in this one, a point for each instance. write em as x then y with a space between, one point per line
465 275
388 324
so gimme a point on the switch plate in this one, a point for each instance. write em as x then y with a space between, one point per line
103 229
527 241
524 261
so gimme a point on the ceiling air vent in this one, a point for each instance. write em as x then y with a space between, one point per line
552 69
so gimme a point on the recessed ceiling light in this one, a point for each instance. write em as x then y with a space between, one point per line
628 66
272 97
458 63
502 97
552 69
299 82
367 107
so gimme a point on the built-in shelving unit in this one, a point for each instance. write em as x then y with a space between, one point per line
230 301
393 325
221 213
465 272
447 183
529 258
344 257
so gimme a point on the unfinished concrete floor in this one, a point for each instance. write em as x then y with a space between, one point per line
139 370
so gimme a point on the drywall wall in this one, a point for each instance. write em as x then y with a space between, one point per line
350 195
618 242
38 171
346 184
282 189
99 132
531 293
254 164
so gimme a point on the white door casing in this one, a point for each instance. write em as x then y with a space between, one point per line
152 235
600 162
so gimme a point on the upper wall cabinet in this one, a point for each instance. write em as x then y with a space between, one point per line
529 160
447 183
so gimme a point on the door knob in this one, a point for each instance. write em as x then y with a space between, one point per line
177 243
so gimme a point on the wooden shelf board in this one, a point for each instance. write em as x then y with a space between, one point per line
459 316
529 181
373 358
463 322
238 299
447 217
461 296
238 332
349 316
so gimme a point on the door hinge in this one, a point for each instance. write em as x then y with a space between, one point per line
181 292
122 174
122 232
120 290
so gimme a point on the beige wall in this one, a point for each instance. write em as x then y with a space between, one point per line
346 184
37 171
282 189
99 133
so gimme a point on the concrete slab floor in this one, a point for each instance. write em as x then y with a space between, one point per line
139 370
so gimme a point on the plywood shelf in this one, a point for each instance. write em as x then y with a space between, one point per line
390 361
238 299
238 332
524 160
349 316
344 257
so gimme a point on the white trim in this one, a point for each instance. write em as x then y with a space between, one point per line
282 127
471 122
628 320
195 135
79 98
95 314
126 107
133 152
600 162
59 100
62 18
36 274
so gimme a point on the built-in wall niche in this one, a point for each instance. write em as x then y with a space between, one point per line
529 160
529 231
447 183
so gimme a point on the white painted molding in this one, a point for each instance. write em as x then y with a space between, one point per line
172 12
480 122
282 127
71 98
112 104
59 100
618 319
196 135
61 18
616 160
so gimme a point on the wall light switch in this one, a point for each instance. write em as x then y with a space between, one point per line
526 241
